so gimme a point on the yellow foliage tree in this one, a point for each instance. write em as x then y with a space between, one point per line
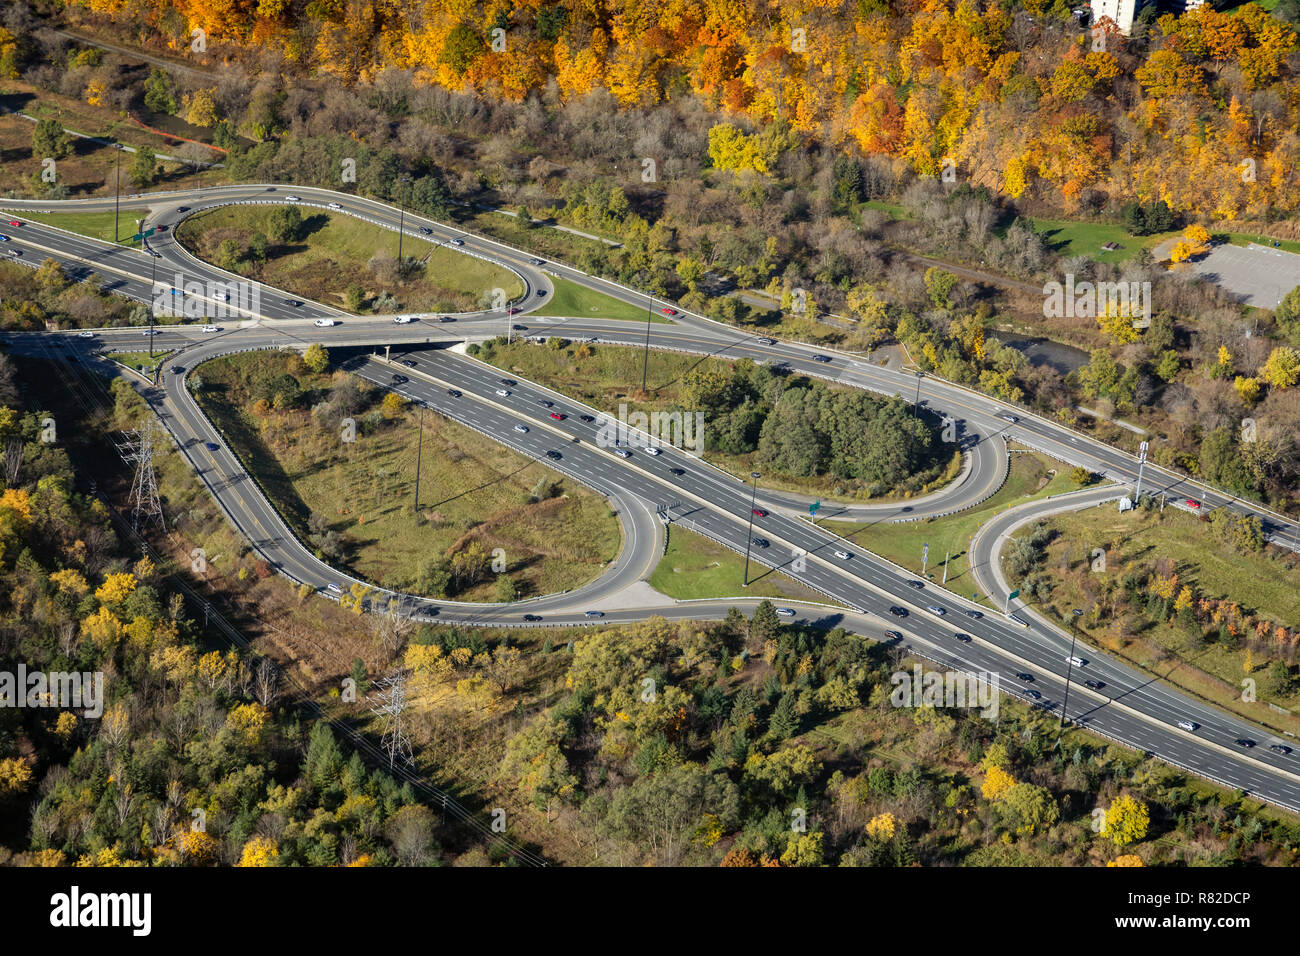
15 775
996 782
1126 820
116 588
882 826
1127 859
259 851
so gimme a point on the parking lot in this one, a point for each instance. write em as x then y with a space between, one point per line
1258 275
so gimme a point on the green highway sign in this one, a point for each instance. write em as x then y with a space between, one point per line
142 235
815 507
1014 594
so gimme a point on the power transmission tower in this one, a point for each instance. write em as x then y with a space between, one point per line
145 506
389 703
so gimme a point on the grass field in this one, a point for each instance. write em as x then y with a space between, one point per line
1262 584
1032 476
472 489
140 361
337 251
698 567
96 225
572 300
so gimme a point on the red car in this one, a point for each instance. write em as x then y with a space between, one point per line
14 222
760 512
667 311
1192 504
513 311
557 416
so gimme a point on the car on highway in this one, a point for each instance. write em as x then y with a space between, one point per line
677 471
294 303
211 446
1245 742
14 222
333 589
593 613
545 403
898 611
759 542
1017 619
1193 504
409 363
14 252
667 311
1188 724
535 261
557 416
403 319
1279 748
785 612
622 453
1076 661
220 296
916 584
964 638
4 238
335 205
211 328
152 332
894 636
532 617
652 450
974 615
161 227
936 609
399 379
178 369
503 392
446 318
1034 694
821 358
1024 676
324 323
425 230
182 208
554 455
292 199
85 335
522 429
454 392
758 512
586 418
508 381
843 555
1094 684
1009 418
766 341
456 242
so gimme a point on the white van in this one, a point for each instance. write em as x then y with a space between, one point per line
324 323
1188 724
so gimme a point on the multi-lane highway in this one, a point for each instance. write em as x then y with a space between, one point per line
1128 706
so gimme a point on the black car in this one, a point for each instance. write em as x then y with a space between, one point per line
182 208
821 358
211 445
1245 742
964 638
409 363
446 318
554 455
676 471
975 615
454 392
400 379
425 230
586 418
1094 684
508 381
1279 748
532 617
760 542
546 404
519 328
898 611
916 584
1023 676
178 369
1034 694
293 302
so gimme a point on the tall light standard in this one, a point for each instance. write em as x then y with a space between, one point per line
405 180
419 449
749 539
117 186
1069 667
645 363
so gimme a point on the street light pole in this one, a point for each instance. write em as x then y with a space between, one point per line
645 364
1069 667
117 187
749 538
402 226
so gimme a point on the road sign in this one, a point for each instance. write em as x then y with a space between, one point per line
1014 594
142 235
815 507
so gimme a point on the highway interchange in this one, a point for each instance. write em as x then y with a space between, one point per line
1132 707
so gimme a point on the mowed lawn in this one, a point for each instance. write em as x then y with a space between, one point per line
96 225
698 567
471 488
571 300
337 251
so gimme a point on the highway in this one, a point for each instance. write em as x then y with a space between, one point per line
1132 708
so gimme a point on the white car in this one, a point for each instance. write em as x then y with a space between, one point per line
935 609
523 429
292 199
503 392
335 205
456 242
85 335
152 332
220 296
403 319
1076 661
323 323
653 451
622 453
211 328
785 612
842 555
1188 724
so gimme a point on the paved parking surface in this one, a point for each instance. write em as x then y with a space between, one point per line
1258 275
